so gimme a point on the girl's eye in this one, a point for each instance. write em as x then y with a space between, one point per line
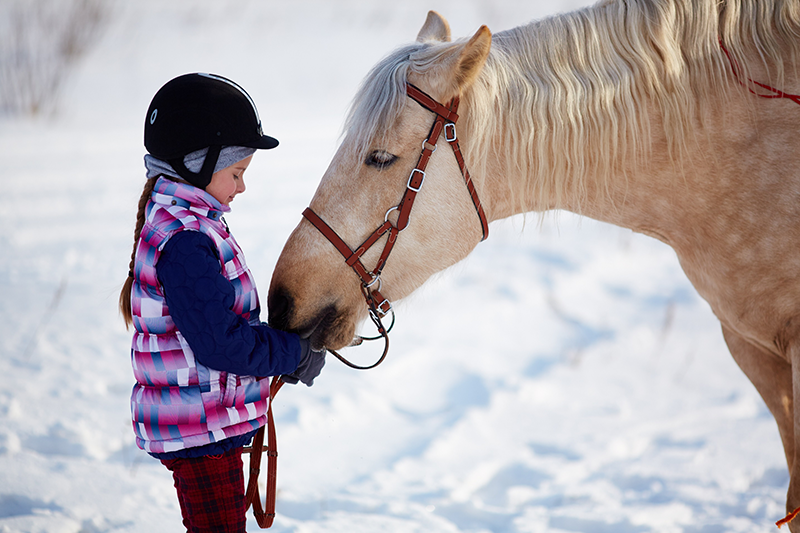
380 159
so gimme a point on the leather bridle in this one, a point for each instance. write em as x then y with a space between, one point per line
371 284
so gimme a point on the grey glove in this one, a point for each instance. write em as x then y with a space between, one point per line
311 363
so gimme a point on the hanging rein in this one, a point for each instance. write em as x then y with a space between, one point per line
371 285
264 514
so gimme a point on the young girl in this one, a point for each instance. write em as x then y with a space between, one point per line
201 356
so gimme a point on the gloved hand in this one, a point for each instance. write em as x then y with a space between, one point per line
311 363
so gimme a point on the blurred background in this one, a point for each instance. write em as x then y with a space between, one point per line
564 378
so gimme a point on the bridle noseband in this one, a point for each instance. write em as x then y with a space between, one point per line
378 305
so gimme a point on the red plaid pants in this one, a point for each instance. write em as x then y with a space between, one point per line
211 492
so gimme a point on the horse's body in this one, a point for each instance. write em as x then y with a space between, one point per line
629 112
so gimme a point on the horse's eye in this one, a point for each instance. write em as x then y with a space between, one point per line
380 159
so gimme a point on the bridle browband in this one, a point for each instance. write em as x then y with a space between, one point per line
378 305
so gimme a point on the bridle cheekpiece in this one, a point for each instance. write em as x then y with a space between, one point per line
378 305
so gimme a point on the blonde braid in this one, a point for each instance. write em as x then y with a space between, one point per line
125 294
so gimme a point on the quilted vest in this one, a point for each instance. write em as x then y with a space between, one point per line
177 402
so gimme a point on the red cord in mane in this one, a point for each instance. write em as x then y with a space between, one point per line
788 518
776 93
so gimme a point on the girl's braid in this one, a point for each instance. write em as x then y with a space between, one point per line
125 294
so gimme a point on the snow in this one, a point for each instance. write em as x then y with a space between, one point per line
564 378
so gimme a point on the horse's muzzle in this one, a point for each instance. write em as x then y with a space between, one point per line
282 311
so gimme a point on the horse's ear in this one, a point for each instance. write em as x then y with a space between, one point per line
472 58
435 28
457 67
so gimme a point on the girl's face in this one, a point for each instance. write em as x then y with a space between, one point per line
228 182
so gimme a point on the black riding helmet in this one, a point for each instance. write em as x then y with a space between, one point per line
197 111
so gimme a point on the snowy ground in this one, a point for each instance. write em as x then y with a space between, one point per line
562 379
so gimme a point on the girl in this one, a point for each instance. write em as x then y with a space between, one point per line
201 356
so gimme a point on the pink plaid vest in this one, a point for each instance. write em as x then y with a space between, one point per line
177 402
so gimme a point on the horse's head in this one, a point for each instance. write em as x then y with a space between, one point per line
313 291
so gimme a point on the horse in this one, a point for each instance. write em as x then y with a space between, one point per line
673 118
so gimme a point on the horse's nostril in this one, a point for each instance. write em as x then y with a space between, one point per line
280 305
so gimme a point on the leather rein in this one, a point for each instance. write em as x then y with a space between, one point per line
264 514
371 285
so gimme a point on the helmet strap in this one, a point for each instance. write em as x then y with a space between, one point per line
198 179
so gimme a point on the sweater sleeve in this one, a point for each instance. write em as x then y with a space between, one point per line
200 301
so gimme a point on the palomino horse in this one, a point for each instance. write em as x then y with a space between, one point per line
640 113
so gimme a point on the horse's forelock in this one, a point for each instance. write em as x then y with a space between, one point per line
382 95
378 102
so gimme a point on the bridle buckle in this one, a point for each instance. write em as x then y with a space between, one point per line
411 178
382 306
450 132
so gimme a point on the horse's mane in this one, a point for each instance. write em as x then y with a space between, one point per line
565 96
